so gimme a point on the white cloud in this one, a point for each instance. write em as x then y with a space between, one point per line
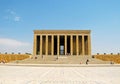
12 15
17 19
12 12
11 45
12 42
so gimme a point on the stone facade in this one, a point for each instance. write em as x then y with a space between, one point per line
62 42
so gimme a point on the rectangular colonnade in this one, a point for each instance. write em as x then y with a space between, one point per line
62 45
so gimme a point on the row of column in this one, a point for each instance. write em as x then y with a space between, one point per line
58 44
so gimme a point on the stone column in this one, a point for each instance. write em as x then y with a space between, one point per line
89 45
77 51
65 44
71 43
46 44
52 48
34 45
83 48
41 45
58 45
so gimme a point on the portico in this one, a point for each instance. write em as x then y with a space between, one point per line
62 42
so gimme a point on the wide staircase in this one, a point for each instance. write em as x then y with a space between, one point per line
63 60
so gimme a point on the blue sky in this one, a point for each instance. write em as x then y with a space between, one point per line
18 19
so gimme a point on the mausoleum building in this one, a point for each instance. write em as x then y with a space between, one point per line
62 42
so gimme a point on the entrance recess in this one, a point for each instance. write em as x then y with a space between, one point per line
62 50
62 45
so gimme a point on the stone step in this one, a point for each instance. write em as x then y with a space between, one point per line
64 60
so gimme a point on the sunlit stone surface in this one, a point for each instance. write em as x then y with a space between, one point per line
59 75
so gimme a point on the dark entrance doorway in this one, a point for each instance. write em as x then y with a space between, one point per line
55 45
62 44
68 44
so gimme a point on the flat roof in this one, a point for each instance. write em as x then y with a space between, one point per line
62 31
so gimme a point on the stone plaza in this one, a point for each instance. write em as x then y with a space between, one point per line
59 75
